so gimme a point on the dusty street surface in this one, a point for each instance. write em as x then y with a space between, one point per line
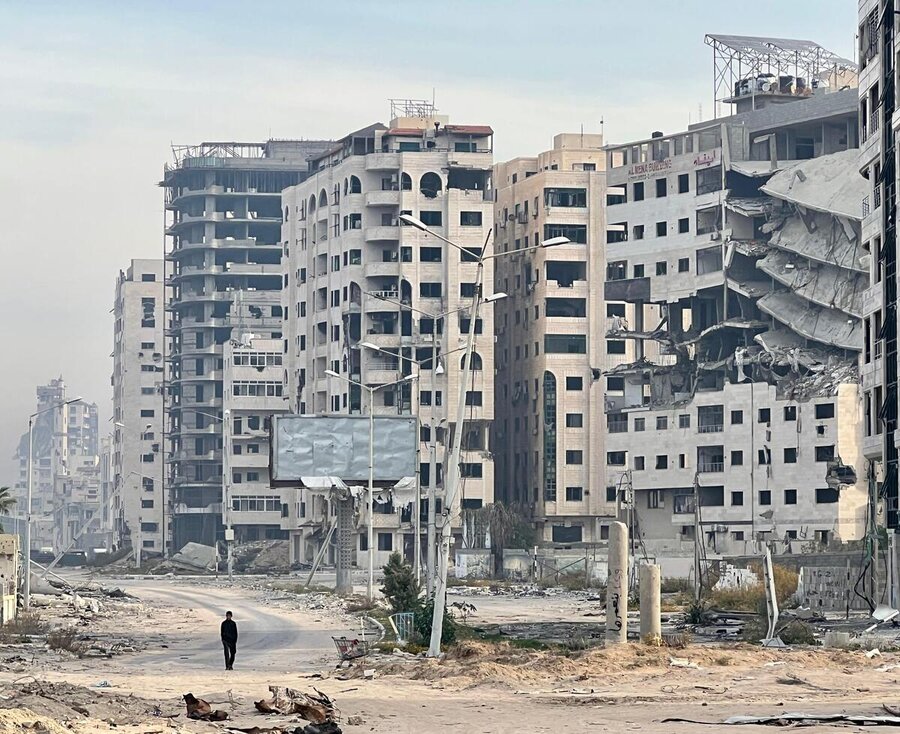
285 640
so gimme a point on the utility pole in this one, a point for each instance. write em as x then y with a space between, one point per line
697 584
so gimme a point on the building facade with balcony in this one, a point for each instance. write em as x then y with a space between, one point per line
551 340
746 232
223 229
138 420
355 276
877 154
253 392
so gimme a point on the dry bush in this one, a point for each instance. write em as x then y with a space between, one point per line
65 639
25 625
752 597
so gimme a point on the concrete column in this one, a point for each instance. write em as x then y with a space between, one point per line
651 627
617 585
344 565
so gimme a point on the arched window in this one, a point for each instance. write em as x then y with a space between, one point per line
405 182
312 203
287 211
355 185
323 199
476 362
549 437
430 185
346 187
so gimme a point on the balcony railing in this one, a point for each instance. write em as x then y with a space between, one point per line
710 428
711 467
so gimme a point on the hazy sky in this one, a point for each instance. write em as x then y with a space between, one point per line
93 93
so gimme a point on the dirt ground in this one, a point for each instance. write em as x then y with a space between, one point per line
285 640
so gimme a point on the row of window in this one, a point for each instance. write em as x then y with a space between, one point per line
258 503
257 359
573 494
246 388
710 416
712 458
684 504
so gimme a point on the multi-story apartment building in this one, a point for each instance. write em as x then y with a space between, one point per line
746 231
64 437
254 392
370 299
878 379
137 382
551 339
223 205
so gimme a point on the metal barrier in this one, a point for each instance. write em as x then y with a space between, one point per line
402 624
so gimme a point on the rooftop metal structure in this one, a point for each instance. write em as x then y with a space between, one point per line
750 65
412 108
218 150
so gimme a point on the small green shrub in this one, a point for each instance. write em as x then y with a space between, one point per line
422 625
400 586
697 613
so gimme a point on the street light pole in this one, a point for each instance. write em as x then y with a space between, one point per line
370 500
226 492
452 472
28 496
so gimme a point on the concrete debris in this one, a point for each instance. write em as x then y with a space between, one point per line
874 653
195 556
317 709
355 721
264 556
683 663
829 183
839 640
200 710
820 324
825 285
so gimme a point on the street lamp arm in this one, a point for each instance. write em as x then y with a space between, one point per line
54 407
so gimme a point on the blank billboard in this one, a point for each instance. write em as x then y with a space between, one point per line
338 446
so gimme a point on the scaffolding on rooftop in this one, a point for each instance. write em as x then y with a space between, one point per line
412 108
745 66
218 150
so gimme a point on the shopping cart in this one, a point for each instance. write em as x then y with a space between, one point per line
353 648
350 649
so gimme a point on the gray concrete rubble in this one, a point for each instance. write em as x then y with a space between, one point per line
196 556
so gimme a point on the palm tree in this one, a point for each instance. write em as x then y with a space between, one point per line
7 501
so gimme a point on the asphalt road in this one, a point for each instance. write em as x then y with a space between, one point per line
268 638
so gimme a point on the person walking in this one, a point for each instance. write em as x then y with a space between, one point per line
229 634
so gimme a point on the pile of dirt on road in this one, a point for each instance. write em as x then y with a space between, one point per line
263 556
63 702
507 665
16 721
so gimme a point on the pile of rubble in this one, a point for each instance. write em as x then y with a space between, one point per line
264 556
62 707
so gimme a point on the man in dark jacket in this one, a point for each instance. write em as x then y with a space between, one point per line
229 640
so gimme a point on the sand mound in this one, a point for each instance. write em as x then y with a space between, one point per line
19 720
504 664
